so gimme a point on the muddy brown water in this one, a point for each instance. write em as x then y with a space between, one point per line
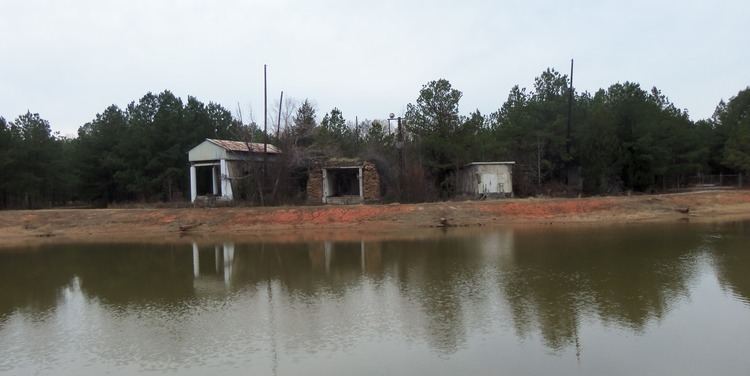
646 300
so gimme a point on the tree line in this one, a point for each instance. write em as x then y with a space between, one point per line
622 138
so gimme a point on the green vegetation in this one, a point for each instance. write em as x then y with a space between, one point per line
623 138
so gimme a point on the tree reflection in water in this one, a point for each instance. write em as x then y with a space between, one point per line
731 257
440 290
624 278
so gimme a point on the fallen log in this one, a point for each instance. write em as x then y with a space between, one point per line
184 228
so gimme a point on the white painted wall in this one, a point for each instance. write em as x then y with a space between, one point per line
206 151
486 179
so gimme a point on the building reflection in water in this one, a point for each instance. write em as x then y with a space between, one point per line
218 256
545 283
442 291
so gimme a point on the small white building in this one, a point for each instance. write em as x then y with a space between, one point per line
487 178
215 165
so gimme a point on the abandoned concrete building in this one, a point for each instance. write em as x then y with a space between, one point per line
489 179
216 166
343 181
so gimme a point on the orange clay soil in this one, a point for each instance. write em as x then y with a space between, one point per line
28 227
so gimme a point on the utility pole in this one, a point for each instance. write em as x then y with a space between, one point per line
265 121
568 164
278 125
570 108
400 148
401 156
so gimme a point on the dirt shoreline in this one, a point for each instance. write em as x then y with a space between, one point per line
35 227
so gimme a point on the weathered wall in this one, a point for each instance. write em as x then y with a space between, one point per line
206 151
315 186
470 177
370 182
236 169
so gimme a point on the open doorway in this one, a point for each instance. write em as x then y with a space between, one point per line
342 185
207 181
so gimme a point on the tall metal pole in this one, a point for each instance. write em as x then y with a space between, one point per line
278 125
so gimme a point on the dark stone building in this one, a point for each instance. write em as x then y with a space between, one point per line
343 181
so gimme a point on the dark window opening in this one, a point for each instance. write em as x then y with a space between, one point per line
344 182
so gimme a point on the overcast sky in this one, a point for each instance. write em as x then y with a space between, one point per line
69 59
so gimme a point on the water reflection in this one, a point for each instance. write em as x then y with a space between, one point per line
218 263
622 278
141 304
731 257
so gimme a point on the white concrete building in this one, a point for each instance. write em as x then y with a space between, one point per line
487 178
216 165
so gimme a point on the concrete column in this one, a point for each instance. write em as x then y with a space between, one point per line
214 184
226 183
193 185
325 185
361 179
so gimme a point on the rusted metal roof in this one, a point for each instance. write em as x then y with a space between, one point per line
241 146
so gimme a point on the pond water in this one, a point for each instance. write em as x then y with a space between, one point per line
647 300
